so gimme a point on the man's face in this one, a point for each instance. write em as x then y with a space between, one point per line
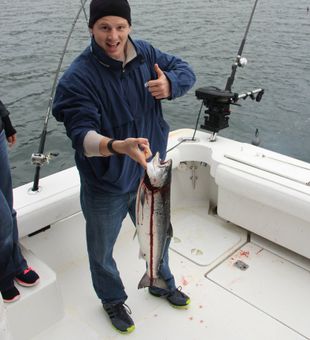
111 34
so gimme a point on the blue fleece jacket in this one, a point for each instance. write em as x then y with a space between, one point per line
97 93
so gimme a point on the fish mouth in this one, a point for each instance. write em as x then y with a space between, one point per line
164 162
158 170
160 163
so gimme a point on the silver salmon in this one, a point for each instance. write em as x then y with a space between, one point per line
153 218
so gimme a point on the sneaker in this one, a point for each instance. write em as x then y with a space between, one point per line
10 295
119 317
177 298
27 278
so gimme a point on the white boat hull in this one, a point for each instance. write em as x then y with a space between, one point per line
241 229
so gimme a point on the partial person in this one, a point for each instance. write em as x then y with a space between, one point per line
109 100
13 265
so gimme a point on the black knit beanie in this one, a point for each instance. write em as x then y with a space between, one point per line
102 8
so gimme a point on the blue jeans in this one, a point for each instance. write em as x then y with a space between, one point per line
104 213
12 261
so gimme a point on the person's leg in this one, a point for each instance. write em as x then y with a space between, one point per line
7 190
18 258
7 267
104 214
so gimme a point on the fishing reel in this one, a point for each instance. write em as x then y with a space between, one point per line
39 159
218 103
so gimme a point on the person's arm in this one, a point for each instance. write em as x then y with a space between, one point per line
174 76
96 145
9 130
82 124
3 110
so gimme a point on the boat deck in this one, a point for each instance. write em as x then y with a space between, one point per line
226 301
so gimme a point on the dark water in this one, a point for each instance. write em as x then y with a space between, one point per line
205 33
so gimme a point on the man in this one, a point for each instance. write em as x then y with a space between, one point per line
13 266
109 101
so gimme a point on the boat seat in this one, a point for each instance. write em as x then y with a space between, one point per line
267 204
39 307
56 199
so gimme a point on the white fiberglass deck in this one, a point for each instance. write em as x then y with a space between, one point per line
271 283
215 312
263 195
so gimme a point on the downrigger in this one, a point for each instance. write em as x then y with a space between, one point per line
218 101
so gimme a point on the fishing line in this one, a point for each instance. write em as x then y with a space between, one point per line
39 159
194 134
84 11
86 17
175 146
197 121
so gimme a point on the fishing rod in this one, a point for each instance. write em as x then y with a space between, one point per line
218 101
39 159
240 61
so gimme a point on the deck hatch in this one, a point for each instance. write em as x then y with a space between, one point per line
203 238
272 284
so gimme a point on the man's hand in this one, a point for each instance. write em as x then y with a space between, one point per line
137 149
160 87
11 140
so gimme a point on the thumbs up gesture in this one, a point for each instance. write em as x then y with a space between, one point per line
160 87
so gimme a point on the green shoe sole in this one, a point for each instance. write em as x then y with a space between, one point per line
129 329
182 306
172 304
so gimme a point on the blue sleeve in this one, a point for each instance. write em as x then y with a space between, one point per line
178 71
74 106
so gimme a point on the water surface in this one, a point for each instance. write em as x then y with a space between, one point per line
205 33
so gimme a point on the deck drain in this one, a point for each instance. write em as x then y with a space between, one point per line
241 265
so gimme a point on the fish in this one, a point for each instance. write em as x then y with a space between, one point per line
153 226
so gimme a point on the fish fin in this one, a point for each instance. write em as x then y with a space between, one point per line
141 255
147 282
170 231
144 282
140 205
135 234
142 197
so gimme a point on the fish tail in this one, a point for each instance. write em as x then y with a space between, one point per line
146 281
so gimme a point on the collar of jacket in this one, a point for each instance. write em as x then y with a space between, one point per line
108 62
